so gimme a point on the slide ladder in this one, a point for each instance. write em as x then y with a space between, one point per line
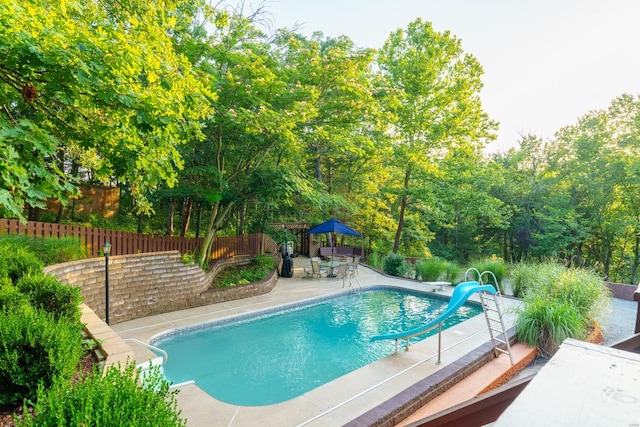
492 308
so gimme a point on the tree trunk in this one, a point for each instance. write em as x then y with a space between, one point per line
403 206
317 165
198 219
636 259
171 210
187 208
217 218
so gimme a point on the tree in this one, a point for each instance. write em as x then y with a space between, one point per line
95 84
256 110
432 93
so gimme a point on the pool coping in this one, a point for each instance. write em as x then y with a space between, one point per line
338 402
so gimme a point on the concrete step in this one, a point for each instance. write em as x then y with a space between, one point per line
488 377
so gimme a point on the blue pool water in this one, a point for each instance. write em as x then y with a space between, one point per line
276 357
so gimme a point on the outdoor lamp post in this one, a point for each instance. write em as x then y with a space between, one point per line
106 249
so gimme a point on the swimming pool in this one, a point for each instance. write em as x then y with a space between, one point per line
273 357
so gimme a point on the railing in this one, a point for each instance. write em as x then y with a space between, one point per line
153 348
127 243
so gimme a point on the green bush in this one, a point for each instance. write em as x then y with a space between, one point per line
375 260
117 398
451 271
10 295
558 303
546 323
242 275
395 264
16 261
263 260
46 292
526 276
430 269
34 349
50 250
497 267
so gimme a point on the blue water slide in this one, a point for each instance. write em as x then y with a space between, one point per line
460 295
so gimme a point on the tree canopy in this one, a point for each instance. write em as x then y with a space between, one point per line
202 114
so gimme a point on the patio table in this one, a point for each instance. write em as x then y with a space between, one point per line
332 265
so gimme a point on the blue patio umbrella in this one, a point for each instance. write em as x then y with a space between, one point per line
332 226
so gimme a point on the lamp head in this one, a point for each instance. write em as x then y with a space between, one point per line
106 248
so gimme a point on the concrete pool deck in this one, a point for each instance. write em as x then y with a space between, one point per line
337 402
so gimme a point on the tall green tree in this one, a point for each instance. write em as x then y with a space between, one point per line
432 93
256 111
97 85
337 137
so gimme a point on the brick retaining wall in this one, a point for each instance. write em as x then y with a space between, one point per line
153 283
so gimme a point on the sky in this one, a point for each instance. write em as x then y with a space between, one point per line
546 62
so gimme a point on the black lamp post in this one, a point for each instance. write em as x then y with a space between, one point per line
106 249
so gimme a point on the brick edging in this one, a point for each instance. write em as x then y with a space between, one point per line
407 402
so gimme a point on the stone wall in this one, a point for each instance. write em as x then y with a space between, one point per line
153 283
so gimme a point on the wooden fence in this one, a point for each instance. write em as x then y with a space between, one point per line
126 243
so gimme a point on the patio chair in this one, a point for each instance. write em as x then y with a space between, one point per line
354 267
315 270
341 273
350 274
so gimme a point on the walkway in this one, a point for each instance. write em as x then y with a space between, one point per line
332 404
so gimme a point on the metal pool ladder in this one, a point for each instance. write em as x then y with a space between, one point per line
492 307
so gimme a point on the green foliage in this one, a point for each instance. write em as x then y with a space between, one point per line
16 261
117 398
47 293
534 275
396 264
375 260
35 349
243 274
545 323
264 261
188 258
10 296
430 269
496 266
99 84
50 250
452 271
558 303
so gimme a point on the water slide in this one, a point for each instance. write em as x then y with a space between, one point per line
461 294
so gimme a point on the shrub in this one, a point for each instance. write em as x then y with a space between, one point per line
395 264
375 260
534 276
46 292
117 398
10 295
50 250
451 271
15 261
241 275
34 349
263 260
558 303
545 323
497 267
430 269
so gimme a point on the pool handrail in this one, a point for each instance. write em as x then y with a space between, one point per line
153 348
461 294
